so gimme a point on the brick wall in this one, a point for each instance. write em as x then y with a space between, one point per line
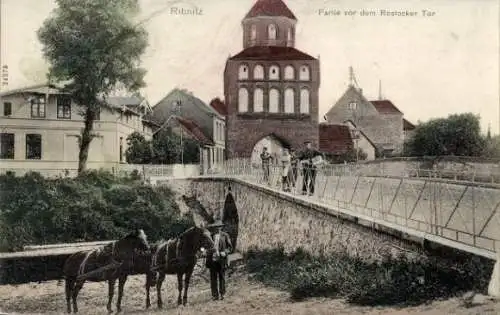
244 130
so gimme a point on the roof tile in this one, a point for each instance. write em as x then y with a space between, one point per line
219 106
270 8
195 130
335 139
385 107
271 53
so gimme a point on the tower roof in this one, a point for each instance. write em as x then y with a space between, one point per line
270 8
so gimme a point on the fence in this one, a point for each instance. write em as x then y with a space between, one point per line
460 168
146 171
459 211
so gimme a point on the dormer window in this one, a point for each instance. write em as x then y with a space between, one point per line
271 30
353 106
253 32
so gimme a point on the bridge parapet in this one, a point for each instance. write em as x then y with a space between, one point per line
459 214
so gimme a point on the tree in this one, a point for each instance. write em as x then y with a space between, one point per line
139 149
95 46
492 147
191 151
166 147
458 134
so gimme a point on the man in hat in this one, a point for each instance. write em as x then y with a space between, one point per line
309 168
266 160
217 261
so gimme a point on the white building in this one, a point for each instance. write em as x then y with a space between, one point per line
40 128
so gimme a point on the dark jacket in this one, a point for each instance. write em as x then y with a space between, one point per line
225 248
265 157
307 155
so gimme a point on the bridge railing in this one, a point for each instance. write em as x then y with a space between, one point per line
461 211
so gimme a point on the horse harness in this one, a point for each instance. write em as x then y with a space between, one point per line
154 259
97 252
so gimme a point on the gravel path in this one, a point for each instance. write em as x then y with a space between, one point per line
244 298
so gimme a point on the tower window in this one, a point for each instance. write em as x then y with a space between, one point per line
258 72
243 100
253 32
304 101
243 72
274 73
289 73
271 30
304 73
274 101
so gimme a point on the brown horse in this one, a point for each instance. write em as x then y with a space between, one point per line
113 261
177 256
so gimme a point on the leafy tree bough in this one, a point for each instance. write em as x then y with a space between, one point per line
95 46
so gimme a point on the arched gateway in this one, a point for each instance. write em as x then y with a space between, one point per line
274 146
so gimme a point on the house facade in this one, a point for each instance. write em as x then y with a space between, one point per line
340 139
380 120
206 119
270 87
40 129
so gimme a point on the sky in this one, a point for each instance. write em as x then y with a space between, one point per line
432 65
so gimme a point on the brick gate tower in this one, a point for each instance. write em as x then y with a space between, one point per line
270 87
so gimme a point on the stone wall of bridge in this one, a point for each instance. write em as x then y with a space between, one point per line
269 218
464 217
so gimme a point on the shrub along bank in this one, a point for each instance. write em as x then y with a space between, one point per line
94 206
392 281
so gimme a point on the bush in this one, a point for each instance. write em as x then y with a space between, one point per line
393 281
94 206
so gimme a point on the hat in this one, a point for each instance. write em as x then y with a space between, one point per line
307 141
216 224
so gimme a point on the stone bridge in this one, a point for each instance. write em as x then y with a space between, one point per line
345 211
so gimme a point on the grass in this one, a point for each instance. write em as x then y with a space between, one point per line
392 281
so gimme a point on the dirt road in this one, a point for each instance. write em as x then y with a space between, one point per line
244 298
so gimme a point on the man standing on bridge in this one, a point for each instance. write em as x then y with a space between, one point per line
309 158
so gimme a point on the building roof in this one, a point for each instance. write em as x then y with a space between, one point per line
119 101
270 8
408 125
183 96
194 130
36 89
385 107
335 139
219 106
271 53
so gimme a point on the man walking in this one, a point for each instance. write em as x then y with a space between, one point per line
217 261
307 158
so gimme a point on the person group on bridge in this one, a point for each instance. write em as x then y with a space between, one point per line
309 159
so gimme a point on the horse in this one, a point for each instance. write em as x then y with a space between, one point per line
108 263
177 256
